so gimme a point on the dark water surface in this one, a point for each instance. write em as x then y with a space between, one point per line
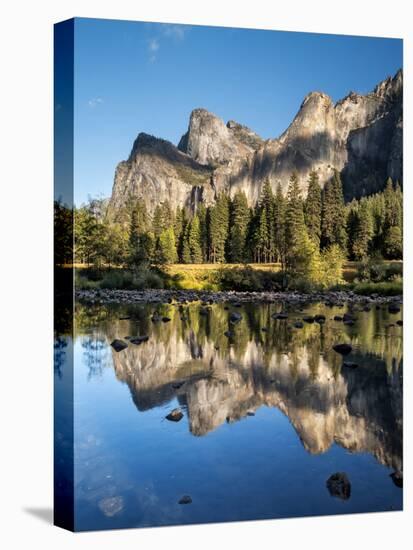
268 416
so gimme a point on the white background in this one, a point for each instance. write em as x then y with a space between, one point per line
26 274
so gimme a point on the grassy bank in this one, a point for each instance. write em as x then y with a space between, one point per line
385 279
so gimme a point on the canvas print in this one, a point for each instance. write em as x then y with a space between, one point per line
228 274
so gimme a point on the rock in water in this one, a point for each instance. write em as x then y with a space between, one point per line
298 324
308 319
166 319
348 317
119 345
350 365
339 486
235 317
186 499
394 308
175 415
342 349
280 316
111 506
397 478
139 340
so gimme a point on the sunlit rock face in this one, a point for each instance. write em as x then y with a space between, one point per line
155 171
360 136
359 409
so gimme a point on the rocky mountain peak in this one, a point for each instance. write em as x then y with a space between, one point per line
211 142
208 140
390 88
245 135
360 136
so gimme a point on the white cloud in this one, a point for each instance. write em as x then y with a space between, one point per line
153 45
174 31
153 48
94 102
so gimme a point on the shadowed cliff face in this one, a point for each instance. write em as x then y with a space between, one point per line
296 372
360 136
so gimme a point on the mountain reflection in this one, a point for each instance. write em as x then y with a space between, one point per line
217 379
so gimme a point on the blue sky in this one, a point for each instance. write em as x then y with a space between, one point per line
147 77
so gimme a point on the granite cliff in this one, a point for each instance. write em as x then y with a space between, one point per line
360 136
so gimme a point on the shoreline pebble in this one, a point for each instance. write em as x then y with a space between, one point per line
336 298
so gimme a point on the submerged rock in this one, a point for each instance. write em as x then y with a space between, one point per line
350 365
186 499
235 317
393 308
320 319
347 317
338 318
111 506
298 324
280 316
139 340
119 345
308 319
339 486
342 349
175 415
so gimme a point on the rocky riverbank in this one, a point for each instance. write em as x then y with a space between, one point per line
105 296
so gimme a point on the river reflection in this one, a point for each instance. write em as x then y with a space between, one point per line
251 400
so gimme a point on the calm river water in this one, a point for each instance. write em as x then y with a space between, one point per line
269 413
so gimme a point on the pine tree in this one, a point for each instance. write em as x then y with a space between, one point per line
185 248
167 247
362 230
393 222
140 243
162 218
219 228
194 240
203 224
157 221
312 208
294 215
279 225
393 243
267 218
239 220
260 234
178 224
333 223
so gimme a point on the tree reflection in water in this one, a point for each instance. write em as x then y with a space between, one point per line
219 379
